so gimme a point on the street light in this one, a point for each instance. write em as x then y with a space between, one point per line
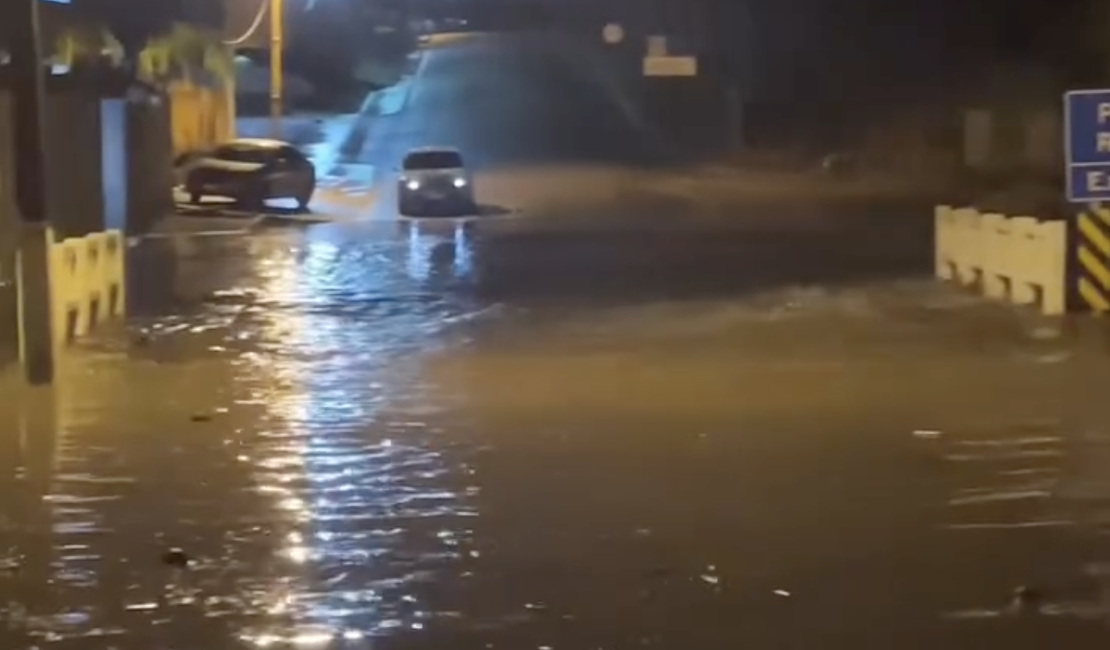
277 85
276 9
277 47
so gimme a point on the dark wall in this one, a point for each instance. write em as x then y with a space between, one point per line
73 164
74 197
108 161
692 112
149 151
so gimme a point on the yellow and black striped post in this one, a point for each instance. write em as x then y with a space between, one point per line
1091 243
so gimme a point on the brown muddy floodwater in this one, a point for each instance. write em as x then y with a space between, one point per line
364 439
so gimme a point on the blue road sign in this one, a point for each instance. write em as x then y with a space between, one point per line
1087 145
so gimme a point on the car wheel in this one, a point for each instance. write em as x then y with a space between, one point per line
304 197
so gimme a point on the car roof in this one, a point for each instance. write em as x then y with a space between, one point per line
257 143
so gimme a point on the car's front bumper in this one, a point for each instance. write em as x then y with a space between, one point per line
431 198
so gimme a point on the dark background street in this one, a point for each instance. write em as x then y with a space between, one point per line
509 100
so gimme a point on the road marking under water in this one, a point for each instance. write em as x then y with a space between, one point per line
1000 525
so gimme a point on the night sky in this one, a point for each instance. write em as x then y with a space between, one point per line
902 37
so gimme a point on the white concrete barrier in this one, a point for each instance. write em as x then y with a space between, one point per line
1016 259
87 282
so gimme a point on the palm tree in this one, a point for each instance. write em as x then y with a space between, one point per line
191 65
197 70
75 46
186 54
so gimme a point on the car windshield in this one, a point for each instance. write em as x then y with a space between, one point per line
244 153
433 160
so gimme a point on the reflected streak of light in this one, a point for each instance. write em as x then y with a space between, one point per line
321 474
298 554
419 255
285 465
294 281
464 262
305 639
421 252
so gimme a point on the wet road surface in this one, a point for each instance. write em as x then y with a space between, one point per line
564 431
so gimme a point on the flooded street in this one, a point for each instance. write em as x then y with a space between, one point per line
353 439
568 427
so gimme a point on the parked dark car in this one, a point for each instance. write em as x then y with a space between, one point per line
251 171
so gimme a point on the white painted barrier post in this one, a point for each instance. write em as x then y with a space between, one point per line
958 235
87 277
1053 260
116 273
93 279
995 242
944 242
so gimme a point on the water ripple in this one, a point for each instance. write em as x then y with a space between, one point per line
309 497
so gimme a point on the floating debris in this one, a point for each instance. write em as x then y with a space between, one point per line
1026 598
176 558
710 576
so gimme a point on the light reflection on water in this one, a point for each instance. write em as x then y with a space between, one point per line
314 498
372 514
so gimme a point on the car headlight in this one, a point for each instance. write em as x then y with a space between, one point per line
460 182
413 184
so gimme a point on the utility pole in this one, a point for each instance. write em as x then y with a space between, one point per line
36 340
277 45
